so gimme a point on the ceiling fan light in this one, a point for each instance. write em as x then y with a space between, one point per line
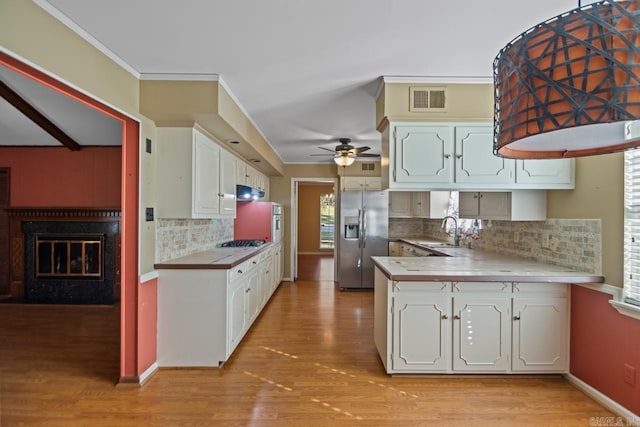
346 159
570 86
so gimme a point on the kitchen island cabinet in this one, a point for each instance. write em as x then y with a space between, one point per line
208 301
478 313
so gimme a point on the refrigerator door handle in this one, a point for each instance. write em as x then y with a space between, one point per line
364 227
359 264
360 229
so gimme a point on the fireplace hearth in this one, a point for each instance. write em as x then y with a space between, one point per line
66 256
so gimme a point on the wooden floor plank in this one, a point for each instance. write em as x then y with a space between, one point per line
309 360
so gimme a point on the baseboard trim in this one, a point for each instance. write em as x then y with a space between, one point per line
147 374
631 418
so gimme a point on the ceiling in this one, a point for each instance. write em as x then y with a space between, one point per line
305 72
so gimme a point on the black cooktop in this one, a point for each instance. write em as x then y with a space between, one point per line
242 243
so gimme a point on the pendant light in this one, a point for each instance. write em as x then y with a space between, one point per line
570 86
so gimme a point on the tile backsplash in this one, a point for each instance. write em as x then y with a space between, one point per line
573 243
180 237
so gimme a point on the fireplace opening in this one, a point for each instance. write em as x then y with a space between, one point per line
70 262
71 257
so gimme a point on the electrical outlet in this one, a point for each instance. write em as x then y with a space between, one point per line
516 237
553 243
148 214
629 374
545 241
148 145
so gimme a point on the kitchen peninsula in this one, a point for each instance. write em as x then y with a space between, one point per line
469 311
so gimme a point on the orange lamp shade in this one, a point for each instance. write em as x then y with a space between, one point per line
570 86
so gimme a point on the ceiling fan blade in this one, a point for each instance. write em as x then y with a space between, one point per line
323 155
362 149
368 155
328 149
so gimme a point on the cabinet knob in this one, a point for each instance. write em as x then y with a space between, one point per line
516 317
444 317
459 156
447 156
239 271
456 317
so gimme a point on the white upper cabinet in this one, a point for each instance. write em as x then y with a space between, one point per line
360 183
517 205
418 204
475 162
459 156
195 177
558 172
423 154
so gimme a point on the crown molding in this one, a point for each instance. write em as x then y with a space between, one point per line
194 77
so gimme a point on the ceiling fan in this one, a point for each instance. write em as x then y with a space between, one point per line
345 153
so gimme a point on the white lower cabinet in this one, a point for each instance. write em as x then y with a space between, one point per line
422 333
540 330
237 313
471 327
203 314
481 327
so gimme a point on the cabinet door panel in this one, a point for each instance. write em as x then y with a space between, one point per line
540 331
468 205
399 204
475 161
481 333
542 171
237 315
423 154
495 205
206 158
227 183
421 332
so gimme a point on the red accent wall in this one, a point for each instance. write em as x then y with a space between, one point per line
147 326
602 341
59 177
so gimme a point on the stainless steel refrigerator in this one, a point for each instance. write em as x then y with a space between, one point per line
364 227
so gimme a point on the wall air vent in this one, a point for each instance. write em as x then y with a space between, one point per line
368 166
427 99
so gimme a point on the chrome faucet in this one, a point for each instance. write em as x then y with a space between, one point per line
456 236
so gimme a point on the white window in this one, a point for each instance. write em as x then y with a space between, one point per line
632 226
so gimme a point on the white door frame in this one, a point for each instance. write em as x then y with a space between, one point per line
294 219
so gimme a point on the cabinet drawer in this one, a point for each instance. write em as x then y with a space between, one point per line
547 289
437 287
482 287
238 271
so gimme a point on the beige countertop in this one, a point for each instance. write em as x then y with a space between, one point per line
216 259
463 264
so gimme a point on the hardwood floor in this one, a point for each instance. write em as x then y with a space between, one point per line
309 360
315 267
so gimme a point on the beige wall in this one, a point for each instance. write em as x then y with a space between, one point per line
32 35
599 193
464 102
280 192
309 217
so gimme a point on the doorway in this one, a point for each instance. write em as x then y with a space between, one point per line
312 228
129 316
